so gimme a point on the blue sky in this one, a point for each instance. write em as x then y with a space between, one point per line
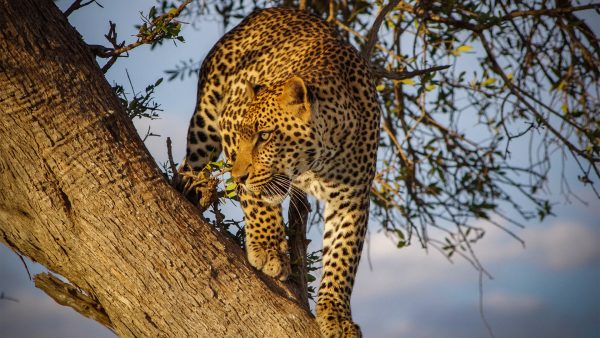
551 288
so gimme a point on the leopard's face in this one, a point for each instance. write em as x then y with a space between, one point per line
277 140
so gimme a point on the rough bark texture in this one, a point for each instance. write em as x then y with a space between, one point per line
80 194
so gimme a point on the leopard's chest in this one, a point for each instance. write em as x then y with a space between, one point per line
310 183
320 187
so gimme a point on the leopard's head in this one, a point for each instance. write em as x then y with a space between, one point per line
279 138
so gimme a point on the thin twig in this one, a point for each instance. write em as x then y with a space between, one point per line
77 5
111 36
542 120
492 21
382 73
5 297
25 265
481 312
537 12
171 162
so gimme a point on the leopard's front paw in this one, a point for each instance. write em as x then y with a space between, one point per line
333 325
273 261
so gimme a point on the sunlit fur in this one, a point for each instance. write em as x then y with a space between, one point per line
294 108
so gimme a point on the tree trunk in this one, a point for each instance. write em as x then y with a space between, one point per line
80 194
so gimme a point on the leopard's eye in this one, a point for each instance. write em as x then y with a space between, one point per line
264 136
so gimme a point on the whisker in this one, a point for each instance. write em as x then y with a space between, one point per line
295 191
274 190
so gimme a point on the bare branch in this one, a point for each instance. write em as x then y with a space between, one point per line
171 162
538 12
69 295
5 297
25 265
77 5
298 218
382 73
493 21
372 35
360 36
498 70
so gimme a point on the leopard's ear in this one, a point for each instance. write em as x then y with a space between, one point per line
298 99
251 90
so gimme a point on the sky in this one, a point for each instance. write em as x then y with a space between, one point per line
549 288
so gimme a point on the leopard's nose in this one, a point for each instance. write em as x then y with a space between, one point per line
241 179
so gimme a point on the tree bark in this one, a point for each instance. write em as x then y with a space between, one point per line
80 194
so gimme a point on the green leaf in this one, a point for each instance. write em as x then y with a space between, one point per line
409 82
488 81
461 49
465 48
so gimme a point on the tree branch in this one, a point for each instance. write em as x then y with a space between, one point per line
536 12
71 296
155 35
515 91
94 207
297 219
371 38
494 21
380 72
172 165
120 48
77 5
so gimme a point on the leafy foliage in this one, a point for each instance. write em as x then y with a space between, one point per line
141 105
155 28
313 261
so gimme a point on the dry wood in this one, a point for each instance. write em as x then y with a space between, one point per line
68 295
80 194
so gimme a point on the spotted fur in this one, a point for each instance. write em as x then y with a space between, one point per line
293 106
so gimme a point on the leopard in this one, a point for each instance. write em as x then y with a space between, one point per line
293 106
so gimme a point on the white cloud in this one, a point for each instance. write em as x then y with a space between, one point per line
563 245
404 269
412 270
417 294
558 246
